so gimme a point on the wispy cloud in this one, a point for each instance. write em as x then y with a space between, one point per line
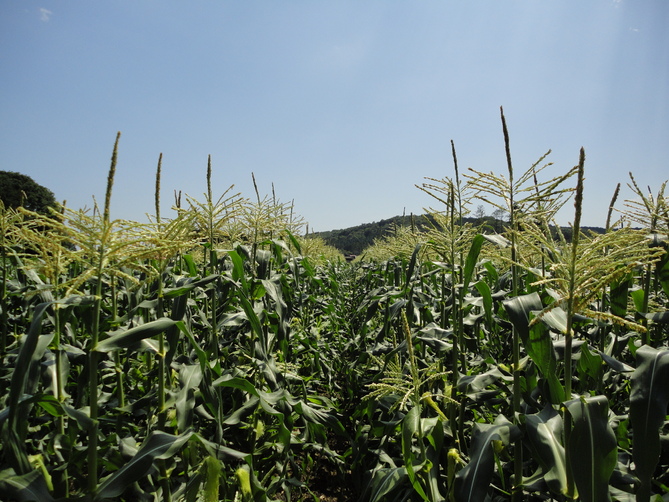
45 14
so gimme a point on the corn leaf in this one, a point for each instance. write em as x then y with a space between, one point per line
470 262
544 430
618 294
24 382
131 336
473 480
159 445
27 487
536 339
190 377
649 397
592 447
188 284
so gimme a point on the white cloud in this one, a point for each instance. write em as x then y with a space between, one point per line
45 14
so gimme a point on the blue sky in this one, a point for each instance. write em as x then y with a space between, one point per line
343 105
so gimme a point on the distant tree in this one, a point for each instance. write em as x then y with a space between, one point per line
479 214
500 216
17 190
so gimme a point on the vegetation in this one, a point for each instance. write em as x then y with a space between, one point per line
360 239
220 355
20 190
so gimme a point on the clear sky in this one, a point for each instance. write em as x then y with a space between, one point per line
343 105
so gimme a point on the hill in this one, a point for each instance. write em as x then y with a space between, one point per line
353 240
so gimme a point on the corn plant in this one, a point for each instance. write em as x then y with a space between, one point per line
218 354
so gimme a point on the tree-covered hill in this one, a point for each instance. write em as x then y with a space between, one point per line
353 240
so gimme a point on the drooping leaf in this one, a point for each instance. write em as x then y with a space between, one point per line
188 284
544 430
592 447
589 365
81 417
159 445
536 339
498 240
321 417
649 397
473 480
126 338
385 481
29 487
658 317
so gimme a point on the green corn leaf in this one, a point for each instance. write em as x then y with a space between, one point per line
218 450
14 449
29 355
518 309
228 380
25 488
485 292
618 295
556 319
385 481
190 377
201 354
412 264
242 411
320 417
189 261
649 397
188 285
411 428
238 273
470 262
491 271
126 338
662 271
24 382
82 418
473 480
158 446
179 305
544 430
589 365
593 448
536 339
50 404
256 325
476 386
638 295
658 317
294 242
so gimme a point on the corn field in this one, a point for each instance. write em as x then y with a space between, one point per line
222 355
